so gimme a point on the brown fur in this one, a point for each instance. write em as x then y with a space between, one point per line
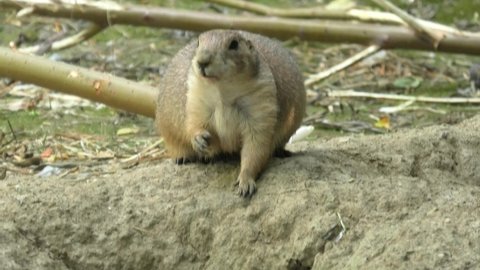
248 98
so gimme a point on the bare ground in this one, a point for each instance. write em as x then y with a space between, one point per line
409 200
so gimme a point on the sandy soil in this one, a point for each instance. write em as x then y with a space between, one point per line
408 200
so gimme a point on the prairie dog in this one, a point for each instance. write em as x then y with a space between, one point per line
231 92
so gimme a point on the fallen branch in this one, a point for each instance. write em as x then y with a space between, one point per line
353 93
406 106
93 85
387 37
311 80
429 35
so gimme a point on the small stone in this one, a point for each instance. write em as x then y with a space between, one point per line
3 173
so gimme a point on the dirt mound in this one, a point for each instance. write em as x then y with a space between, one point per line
408 200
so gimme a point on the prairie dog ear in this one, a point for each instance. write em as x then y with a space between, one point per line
233 45
249 44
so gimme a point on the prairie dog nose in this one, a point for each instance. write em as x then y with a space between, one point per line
204 59
203 65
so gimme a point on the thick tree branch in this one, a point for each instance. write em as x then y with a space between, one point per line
371 16
310 12
93 85
387 37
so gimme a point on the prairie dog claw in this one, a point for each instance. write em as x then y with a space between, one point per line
246 187
201 141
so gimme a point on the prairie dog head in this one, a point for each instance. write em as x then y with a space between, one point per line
224 55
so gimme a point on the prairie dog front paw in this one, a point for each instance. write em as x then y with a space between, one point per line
246 186
201 142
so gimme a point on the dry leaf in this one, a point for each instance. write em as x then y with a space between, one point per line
383 122
46 153
127 131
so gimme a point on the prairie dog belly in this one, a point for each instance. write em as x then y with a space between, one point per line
228 125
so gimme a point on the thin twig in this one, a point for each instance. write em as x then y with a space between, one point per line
11 130
143 152
343 65
430 35
67 42
448 100
344 229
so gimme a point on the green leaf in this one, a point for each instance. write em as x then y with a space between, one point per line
408 82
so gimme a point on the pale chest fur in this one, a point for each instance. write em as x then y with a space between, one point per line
228 122
221 116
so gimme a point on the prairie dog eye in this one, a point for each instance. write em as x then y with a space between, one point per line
233 45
